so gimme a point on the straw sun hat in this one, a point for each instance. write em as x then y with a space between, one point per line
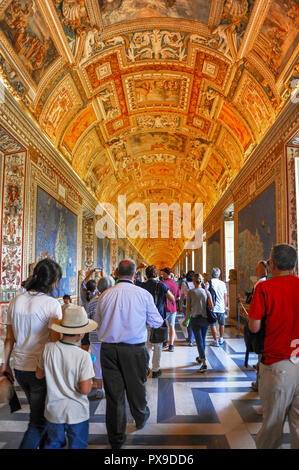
74 321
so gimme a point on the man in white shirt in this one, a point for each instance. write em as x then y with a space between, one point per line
122 315
220 305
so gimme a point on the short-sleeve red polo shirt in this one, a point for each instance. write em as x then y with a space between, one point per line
278 299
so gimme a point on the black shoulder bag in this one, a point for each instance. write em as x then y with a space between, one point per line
211 315
158 335
254 341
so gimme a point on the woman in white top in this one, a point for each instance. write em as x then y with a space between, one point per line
28 320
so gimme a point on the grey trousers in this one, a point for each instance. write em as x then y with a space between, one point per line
157 353
279 392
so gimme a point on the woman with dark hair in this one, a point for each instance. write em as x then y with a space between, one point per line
88 292
29 318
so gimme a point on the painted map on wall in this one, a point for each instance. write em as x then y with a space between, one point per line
121 255
103 255
56 238
256 235
213 252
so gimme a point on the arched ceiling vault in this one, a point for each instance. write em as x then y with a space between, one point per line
160 102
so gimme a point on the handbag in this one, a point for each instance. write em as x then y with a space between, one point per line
211 315
6 390
8 393
159 335
254 341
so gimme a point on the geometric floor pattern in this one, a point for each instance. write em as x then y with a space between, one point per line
215 410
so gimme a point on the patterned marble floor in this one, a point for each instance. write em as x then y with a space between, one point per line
215 410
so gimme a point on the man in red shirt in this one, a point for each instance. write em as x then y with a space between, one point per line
171 306
277 301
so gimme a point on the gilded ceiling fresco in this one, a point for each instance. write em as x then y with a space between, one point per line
115 11
161 100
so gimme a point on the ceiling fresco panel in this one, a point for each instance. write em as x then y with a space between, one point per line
61 106
157 90
279 33
116 11
77 128
157 141
254 103
237 126
86 151
25 30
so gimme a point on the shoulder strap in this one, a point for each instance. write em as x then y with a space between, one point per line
156 292
246 357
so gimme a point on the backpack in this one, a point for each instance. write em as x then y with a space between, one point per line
254 341
159 335
213 293
156 296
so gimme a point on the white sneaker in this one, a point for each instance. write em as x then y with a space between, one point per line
215 343
221 340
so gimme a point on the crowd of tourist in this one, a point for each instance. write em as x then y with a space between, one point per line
61 351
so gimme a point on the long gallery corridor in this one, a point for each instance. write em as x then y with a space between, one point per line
163 134
215 410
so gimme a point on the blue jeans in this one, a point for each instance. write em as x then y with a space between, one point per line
191 336
77 435
200 328
35 391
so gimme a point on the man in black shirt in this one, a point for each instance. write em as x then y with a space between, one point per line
159 292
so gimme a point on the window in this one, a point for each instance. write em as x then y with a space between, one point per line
204 254
229 249
229 246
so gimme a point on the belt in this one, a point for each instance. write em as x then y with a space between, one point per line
124 344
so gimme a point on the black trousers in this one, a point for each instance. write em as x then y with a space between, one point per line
125 368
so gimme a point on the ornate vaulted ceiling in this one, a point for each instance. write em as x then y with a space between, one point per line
161 100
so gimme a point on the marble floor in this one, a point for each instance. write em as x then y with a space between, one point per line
214 410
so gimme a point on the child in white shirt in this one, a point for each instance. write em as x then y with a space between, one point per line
68 370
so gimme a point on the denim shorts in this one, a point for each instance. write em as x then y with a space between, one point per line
170 317
220 319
